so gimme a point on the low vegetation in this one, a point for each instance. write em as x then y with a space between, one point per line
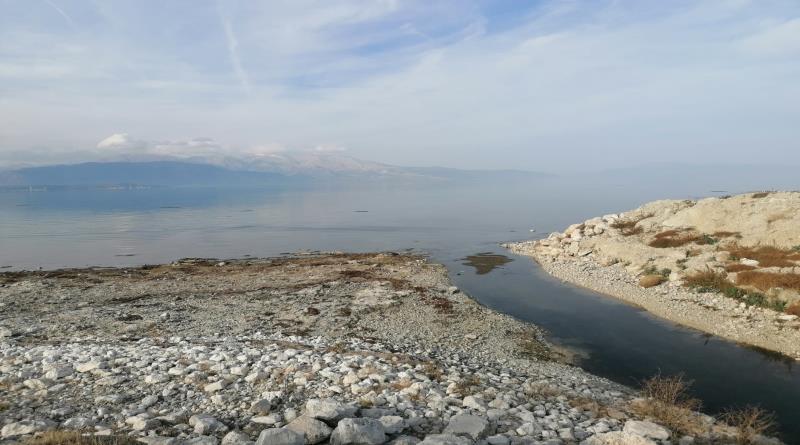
678 238
794 309
767 256
713 281
628 227
738 267
750 423
651 280
667 400
765 281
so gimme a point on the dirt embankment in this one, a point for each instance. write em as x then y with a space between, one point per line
729 266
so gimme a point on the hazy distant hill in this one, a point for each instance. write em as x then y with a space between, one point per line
178 173
162 173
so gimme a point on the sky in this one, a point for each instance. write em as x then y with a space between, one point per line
538 85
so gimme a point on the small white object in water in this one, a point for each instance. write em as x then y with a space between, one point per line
532 230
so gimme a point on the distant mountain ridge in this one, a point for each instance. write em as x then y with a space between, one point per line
284 171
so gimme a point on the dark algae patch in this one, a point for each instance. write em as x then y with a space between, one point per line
485 262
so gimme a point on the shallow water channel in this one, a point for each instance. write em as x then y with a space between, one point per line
626 344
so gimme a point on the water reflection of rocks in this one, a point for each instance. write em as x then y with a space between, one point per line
485 262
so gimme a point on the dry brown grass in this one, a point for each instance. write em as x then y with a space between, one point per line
627 227
778 217
750 422
712 281
668 401
64 437
441 304
794 309
589 405
678 238
726 234
707 280
767 256
432 370
765 281
651 280
467 385
542 389
401 384
738 267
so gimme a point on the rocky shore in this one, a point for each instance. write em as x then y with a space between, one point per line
727 266
360 349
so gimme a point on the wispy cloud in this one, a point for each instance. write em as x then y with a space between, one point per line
61 12
233 53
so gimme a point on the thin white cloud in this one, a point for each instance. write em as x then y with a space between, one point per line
233 53
61 12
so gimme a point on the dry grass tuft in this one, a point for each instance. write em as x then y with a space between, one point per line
441 304
467 385
678 238
668 401
589 405
760 195
678 241
750 422
668 234
542 389
432 370
726 234
767 256
794 309
651 280
738 267
63 437
708 281
765 281
627 227
712 281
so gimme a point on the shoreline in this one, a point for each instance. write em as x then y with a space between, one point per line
716 315
189 352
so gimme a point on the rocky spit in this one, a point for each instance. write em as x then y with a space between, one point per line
600 255
342 349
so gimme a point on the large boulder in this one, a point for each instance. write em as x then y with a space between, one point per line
315 431
474 427
204 424
329 410
646 429
392 424
26 427
358 432
279 436
236 438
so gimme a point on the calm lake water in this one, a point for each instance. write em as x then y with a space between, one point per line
458 225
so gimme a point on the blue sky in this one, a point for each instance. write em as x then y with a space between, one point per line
544 85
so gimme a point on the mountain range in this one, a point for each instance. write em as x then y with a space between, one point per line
272 169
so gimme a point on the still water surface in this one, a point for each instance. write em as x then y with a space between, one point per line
457 225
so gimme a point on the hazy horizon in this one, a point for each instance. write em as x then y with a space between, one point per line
545 86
